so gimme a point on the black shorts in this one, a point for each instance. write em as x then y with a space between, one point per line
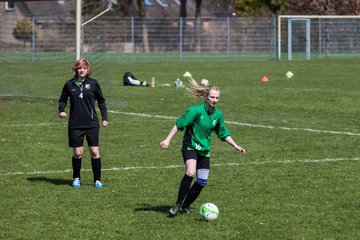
201 161
76 137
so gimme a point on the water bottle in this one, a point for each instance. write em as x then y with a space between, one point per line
153 82
177 83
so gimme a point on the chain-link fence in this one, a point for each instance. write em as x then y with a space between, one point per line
187 39
25 42
137 39
48 43
314 37
179 39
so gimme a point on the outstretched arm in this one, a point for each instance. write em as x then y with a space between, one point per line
234 144
166 142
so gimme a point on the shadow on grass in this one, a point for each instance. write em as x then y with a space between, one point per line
161 209
50 180
149 208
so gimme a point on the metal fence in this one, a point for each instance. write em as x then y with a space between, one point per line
226 38
313 37
137 39
181 39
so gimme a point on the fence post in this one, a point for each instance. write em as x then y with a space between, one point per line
274 39
181 39
33 38
228 36
132 38
320 39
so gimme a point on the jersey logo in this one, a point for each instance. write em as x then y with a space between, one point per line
87 86
197 146
214 123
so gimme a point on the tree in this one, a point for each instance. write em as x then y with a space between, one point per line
183 12
90 6
123 7
326 7
248 8
197 24
141 8
304 7
23 31
145 31
198 8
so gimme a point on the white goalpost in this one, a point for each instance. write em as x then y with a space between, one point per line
313 35
78 29
79 23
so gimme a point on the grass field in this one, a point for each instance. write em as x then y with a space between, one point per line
298 180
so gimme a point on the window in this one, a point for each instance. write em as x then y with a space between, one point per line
9 6
148 3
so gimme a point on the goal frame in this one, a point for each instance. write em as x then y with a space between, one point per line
304 17
79 23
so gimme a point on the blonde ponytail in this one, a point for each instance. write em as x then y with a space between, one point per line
201 91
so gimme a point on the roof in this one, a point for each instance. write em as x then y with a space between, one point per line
153 8
171 8
38 8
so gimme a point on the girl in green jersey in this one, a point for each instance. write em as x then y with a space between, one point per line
198 123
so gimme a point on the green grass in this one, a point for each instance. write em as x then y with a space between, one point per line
298 180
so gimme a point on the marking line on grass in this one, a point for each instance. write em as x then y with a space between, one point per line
255 163
34 124
245 124
228 122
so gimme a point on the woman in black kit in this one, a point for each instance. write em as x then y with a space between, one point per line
83 91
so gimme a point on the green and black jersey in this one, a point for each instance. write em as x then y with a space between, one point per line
199 123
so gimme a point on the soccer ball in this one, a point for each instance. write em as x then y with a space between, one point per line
178 83
209 211
204 82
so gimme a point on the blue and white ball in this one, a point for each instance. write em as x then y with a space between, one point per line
209 211
178 83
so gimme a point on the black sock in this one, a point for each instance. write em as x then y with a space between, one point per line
184 188
194 192
76 165
96 167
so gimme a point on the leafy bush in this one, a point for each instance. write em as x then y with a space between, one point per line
23 30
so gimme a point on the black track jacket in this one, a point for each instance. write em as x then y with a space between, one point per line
82 103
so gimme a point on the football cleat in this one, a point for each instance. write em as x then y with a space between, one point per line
98 184
185 209
174 210
76 183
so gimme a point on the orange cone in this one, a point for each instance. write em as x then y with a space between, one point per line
264 79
